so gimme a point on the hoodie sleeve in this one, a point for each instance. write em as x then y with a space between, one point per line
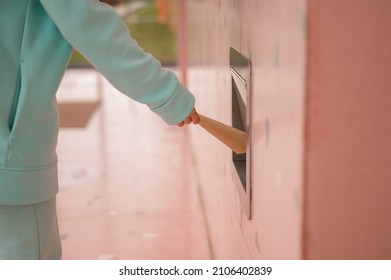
98 33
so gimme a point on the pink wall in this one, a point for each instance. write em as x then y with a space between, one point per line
272 34
321 140
348 153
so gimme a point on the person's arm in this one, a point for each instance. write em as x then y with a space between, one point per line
98 33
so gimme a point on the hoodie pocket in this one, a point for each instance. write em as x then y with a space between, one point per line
15 102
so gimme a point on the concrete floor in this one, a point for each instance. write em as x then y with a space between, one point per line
127 190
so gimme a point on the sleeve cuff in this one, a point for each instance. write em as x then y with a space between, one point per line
178 107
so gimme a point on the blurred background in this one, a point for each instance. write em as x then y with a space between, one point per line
315 183
152 24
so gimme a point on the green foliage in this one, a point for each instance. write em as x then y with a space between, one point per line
155 38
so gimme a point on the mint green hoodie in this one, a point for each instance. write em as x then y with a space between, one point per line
36 41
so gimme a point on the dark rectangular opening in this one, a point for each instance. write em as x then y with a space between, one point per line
241 119
239 122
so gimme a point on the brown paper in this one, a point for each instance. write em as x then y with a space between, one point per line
234 138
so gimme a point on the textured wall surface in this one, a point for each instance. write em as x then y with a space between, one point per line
321 140
272 34
348 154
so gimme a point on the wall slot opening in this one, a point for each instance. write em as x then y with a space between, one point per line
241 119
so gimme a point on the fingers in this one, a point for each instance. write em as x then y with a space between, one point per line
195 118
192 118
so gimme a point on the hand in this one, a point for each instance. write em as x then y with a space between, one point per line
192 118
